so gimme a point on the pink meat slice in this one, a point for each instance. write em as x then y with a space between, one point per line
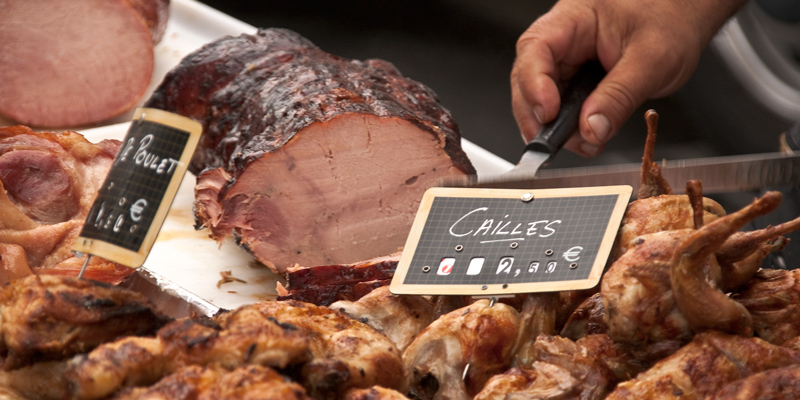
78 62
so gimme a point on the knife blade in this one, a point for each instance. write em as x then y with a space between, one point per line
726 174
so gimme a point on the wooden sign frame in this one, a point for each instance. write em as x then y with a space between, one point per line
431 256
95 238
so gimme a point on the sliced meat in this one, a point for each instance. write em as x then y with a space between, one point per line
73 63
326 284
327 157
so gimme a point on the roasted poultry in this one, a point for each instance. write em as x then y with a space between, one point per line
456 354
47 317
563 369
326 352
704 367
772 298
400 318
773 384
252 382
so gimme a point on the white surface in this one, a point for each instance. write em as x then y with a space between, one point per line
187 260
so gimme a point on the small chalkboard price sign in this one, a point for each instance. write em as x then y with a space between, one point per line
133 202
494 242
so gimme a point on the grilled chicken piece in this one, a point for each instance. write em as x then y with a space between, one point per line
399 317
774 384
454 356
252 382
703 367
374 393
772 297
40 381
562 370
325 351
48 317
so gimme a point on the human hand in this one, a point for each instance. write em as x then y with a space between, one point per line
650 48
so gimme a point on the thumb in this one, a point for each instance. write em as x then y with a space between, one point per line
626 86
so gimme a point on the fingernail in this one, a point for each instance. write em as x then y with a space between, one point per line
589 149
601 126
538 112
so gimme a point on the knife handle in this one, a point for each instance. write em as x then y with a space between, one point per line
552 136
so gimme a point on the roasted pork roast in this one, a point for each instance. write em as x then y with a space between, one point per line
306 157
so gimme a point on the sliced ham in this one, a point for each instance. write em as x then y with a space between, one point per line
78 62
309 158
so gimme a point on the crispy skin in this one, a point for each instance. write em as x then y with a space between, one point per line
325 351
477 335
50 318
775 384
773 299
399 317
704 366
637 296
660 213
252 382
562 370
587 319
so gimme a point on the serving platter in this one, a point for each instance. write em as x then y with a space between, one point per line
185 263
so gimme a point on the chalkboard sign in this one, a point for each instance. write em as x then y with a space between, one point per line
133 202
487 242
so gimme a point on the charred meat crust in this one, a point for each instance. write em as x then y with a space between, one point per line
270 85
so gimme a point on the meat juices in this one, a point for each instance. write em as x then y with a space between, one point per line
308 158
75 63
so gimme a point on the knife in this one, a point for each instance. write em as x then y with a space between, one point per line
726 174
550 138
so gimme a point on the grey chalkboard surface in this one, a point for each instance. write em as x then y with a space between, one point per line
131 205
501 241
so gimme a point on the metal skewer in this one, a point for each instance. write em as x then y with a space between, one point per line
85 264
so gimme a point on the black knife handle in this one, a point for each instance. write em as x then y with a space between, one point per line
552 136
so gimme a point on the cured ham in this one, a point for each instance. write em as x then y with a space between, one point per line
309 158
48 183
77 63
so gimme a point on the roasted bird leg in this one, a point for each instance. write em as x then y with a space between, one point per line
652 183
702 303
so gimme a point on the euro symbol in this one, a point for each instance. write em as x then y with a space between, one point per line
137 209
573 254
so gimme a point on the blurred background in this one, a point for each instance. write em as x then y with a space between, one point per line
746 90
